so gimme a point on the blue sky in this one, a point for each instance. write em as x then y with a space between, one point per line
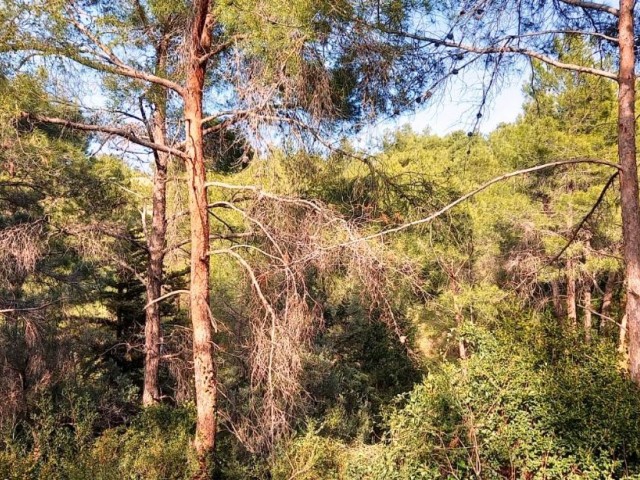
457 111
451 110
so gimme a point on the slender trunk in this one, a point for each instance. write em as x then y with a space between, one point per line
556 300
629 181
572 314
156 242
607 298
622 334
152 331
205 374
586 320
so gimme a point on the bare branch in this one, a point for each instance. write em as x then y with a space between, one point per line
467 196
220 48
585 218
27 309
120 132
252 276
262 193
120 66
506 49
593 6
609 38
228 236
166 295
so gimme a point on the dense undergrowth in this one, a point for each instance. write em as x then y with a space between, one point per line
529 402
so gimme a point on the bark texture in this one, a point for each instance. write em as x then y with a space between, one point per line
607 298
586 311
205 375
156 241
558 311
156 244
629 181
572 314
622 335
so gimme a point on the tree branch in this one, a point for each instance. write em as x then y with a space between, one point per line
584 219
228 236
506 49
119 65
166 295
27 309
263 193
220 48
73 53
593 6
120 132
467 196
252 276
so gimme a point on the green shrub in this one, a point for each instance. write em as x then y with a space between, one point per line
511 412
156 446
310 457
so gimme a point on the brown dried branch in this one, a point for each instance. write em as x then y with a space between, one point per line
20 249
288 254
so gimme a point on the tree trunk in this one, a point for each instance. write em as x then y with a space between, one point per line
622 334
629 182
572 314
556 300
586 320
201 319
156 241
462 349
152 330
607 298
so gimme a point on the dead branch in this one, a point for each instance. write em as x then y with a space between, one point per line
165 296
127 134
584 220
593 6
289 240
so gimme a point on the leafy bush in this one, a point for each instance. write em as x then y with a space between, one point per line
156 446
510 412
311 456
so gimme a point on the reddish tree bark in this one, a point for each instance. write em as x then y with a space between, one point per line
205 374
629 181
